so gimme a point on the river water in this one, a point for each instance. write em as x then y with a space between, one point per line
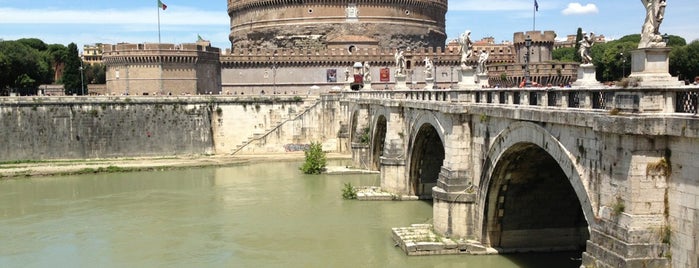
256 215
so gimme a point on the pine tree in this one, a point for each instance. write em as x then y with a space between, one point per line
578 37
71 74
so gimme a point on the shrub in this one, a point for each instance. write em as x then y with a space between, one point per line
315 159
349 192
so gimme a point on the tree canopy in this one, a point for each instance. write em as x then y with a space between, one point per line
27 63
71 80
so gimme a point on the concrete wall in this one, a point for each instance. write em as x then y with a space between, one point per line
43 128
69 127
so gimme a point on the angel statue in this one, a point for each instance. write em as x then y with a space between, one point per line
585 44
482 59
429 68
650 32
466 47
400 62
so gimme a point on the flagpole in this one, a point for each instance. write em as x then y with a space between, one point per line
160 57
534 24
158 6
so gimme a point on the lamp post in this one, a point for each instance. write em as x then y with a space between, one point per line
623 65
434 72
666 38
528 44
82 85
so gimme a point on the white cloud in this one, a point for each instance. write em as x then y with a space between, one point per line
578 9
491 5
181 16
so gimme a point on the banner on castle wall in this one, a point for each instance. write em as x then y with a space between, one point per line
385 75
331 75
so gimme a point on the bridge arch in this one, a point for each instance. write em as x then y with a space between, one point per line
378 140
426 154
532 196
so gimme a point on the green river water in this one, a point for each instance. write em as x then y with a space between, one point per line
257 215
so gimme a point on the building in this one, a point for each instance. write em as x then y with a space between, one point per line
570 41
92 54
543 70
286 46
162 69
312 23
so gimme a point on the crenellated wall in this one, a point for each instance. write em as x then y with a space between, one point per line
162 69
393 23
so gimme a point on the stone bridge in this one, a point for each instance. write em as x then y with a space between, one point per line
611 171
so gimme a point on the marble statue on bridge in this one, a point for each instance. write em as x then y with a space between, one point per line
650 32
367 72
466 48
585 44
400 62
482 60
429 68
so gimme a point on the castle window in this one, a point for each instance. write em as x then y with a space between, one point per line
407 12
351 49
310 11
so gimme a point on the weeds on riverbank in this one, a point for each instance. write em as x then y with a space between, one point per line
315 159
349 192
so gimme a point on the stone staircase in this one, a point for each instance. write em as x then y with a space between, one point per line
277 121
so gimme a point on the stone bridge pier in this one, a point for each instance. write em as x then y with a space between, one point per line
537 177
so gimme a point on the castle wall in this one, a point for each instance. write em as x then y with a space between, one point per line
419 23
162 69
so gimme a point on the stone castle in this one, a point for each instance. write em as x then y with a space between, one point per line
292 47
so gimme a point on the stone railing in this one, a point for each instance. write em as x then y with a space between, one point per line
634 100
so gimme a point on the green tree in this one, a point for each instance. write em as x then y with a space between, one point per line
33 43
612 60
57 55
95 73
71 74
564 54
20 68
315 159
684 61
578 37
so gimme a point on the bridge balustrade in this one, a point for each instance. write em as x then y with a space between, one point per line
676 100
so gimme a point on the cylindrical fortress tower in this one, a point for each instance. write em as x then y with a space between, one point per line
315 23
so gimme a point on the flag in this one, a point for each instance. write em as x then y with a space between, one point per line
199 38
536 5
161 5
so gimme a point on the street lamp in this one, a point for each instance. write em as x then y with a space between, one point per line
623 65
528 44
82 85
434 72
666 38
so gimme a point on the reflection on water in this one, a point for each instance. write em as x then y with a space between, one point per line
259 215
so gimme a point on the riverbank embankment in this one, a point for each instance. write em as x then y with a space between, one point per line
30 168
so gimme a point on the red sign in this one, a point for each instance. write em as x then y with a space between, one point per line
385 75
358 79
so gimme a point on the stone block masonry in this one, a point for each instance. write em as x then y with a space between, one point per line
44 128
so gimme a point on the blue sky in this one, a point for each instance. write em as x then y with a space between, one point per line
135 21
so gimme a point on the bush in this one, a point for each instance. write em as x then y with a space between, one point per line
315 159
349 192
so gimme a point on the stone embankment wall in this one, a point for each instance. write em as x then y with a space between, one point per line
43 128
